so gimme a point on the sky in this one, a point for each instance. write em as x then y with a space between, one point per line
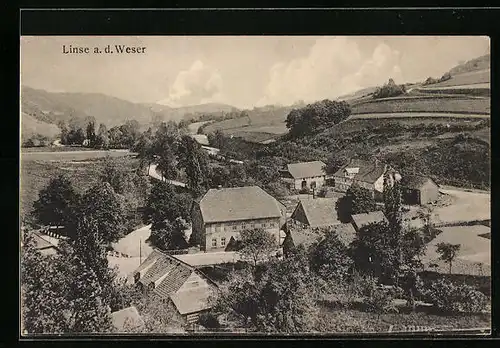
243 71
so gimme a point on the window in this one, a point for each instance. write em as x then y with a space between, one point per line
217 228
264 225
235 227
214 242
223 241
252 225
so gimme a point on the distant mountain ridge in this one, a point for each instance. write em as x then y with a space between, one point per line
54 107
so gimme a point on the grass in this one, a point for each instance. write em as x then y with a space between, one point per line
424 104
357 320
474 77
35 175
73 155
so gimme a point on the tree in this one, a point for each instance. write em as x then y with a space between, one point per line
169 235
102 204
194 161
448 252
390 89
357 200
330 257
102 138
60 293
55 202
393 213
217 139
450 297
91 137
280 299
114 174
144 148
164 203
257 244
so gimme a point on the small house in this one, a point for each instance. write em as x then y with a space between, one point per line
419 190
368 174
361 220
304 175
175 280
317 212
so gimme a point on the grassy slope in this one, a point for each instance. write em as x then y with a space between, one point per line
31 126
35 175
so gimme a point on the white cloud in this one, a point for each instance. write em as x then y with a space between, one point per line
199 84
333 67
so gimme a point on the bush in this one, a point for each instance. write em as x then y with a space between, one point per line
304 191
388 90
449 297
209 321
381 300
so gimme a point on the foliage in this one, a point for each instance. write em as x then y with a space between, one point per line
448 252
381 301
105 207
357 200
61 293
209 320
257 244
164 203
280 299
389 89
55 202
36 140
194 161
450 297
330 257
169 235
159 315
317 116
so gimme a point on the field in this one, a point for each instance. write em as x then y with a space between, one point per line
418 115
469 78
75 154
36 174
424 104
467 206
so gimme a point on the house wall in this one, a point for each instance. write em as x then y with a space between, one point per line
342 184
429 192
320 181
217 235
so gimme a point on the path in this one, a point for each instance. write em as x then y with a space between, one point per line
134 244
154 174
466 206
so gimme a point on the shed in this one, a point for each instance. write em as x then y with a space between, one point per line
419 190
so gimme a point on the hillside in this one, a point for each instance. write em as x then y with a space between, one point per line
50 108
480 63
31 126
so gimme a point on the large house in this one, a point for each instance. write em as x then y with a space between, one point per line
366 174
419 190
172 279
223 213
304 175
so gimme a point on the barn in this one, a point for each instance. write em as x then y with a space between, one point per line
419 190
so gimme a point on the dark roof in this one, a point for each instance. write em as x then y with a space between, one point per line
365 219
165 271
369 171
320 212
238 203
304 236
345 232
306 169
414 181
126 319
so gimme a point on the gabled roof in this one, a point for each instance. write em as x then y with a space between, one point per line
319 212
200 139
238 203
304 236
345 232
306 169
367 171
362 220
191 301
164 271
126 319
415 181
44 242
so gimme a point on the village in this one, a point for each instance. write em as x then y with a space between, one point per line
221 214
363 210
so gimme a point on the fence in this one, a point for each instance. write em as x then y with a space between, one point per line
49 231
441 330
115 253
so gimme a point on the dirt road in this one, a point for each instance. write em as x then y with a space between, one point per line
466 206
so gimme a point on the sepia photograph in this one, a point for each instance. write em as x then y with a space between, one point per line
250 185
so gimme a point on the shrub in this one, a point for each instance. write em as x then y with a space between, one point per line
449 297
388 90
209 321
381 301
304 190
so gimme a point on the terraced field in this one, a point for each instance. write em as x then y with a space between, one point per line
424 104
470 78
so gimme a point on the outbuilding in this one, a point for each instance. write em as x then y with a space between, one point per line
419 190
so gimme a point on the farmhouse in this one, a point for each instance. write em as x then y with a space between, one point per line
224 212
361 220
304 175
419 190
170 278
317 212
366 174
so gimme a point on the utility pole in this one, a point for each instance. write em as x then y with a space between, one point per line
140 251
